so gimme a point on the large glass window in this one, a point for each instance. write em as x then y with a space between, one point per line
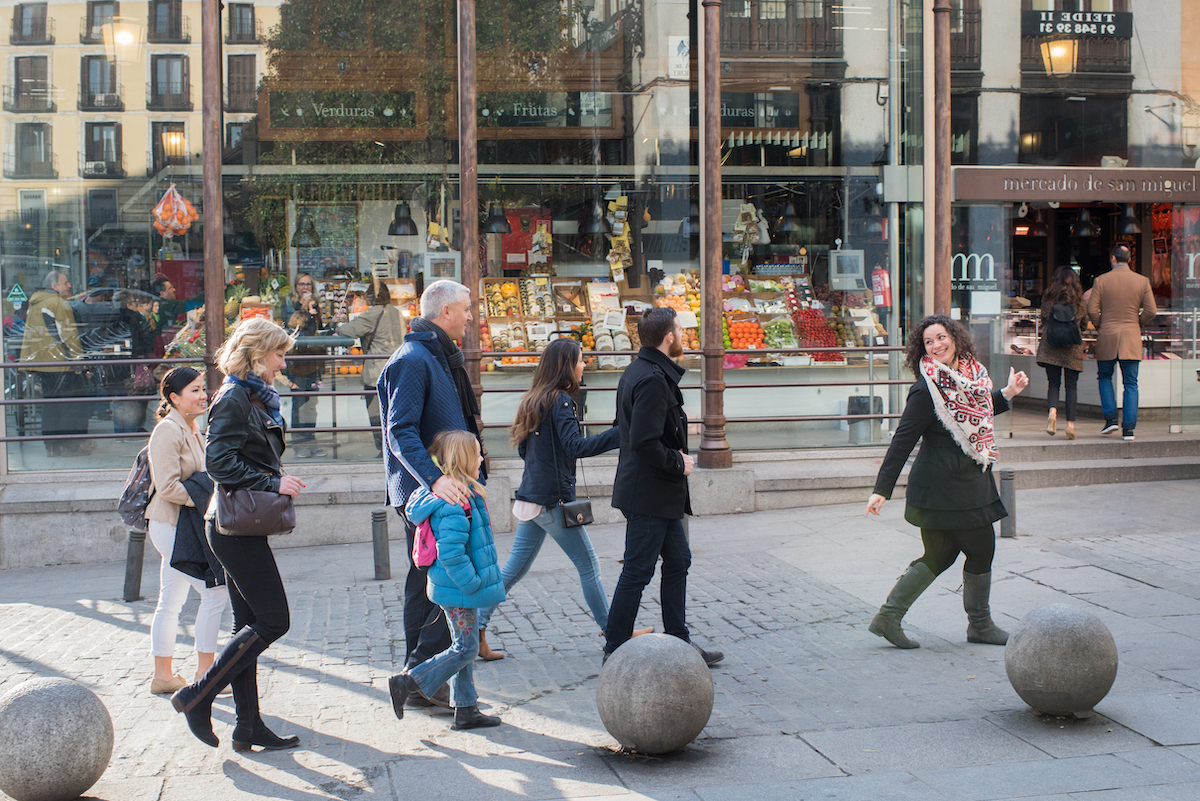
1073 131
170 87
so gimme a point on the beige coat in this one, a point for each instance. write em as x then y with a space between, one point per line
1121 303
387 337
176 452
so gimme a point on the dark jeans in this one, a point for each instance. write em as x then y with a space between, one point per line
646 539
1053 379
942 548
1108 394
255 588
425 631
304 417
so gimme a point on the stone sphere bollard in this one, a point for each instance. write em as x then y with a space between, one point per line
56 739
1061 660
655 694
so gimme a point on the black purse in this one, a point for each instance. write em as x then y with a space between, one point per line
255 513
578 512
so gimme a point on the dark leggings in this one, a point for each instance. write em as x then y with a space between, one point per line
256 591
1053 377
942 547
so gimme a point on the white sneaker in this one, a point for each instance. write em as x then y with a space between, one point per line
301 453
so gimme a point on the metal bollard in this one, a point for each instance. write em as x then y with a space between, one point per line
383 552
1008 497
134 556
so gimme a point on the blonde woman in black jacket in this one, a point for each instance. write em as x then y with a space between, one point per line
245 441
951 494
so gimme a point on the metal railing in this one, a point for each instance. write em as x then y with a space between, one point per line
965 48
177 30
237 35
89 33
1103 54
29 100
157 162
101 168
111 100
743 29
172 96
40 32
241 94
15 168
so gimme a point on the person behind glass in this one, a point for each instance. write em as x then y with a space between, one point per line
380 331
245 440
951 494
424 390
1065 290
464 578
176 465
1121 304
546 435
651 487
304 319
128 416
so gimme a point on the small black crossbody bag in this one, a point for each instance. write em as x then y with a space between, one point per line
574 513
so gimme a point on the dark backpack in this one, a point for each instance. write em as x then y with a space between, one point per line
1063 331
139 489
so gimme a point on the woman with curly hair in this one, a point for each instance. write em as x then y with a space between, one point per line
951 494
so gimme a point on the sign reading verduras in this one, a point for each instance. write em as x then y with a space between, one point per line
1076 184
1077 24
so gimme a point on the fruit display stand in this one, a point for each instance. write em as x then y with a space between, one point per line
521 315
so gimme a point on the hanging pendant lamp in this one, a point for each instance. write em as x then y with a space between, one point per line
306 235
402 222
1083 227
496 222
1128 224
789 223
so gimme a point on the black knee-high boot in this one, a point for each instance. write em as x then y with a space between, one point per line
195 701
250 729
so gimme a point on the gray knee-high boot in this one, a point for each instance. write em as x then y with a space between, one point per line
980 628
886 623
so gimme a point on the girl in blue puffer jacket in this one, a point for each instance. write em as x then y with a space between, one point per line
463 579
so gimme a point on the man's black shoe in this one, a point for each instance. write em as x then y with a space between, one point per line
440 698
400 687
1127 434
1109 427
710 657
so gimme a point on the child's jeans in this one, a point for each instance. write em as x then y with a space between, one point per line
455 663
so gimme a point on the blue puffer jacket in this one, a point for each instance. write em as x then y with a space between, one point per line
465 573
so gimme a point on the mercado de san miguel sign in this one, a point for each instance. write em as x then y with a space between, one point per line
1077 24
1076 184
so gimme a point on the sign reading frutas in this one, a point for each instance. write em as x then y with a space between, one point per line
544 110
342 109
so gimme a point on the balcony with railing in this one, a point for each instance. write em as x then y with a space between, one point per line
25 168
177 29
39 100
113 100
171 96
965 41
40 32
102 168
1096 54
241 95
157 162
239 34
89 33
745 30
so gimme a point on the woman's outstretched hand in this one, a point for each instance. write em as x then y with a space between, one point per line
290 485
1016 384
874 504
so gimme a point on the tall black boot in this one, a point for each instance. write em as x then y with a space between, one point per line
195 701
886 623
250 729
980 628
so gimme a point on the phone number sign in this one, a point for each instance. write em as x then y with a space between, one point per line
1077 23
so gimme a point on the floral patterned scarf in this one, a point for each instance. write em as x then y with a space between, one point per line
963 400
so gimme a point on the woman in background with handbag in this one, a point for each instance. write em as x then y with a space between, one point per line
245 440
546 434
1058 352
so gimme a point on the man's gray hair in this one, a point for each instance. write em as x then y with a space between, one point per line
440 294
52 278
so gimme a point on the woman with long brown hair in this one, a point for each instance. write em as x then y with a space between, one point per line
546 434
1058 357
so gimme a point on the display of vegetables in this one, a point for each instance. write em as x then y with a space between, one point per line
780 334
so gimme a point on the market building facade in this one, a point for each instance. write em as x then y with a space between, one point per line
342 142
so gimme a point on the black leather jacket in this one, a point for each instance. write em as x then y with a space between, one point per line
238 454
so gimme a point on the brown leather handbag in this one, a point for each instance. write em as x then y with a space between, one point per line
255 513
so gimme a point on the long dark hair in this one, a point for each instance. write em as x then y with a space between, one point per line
555 373
174 382
1065 289
964 346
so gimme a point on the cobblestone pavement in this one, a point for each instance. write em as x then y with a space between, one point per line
808 703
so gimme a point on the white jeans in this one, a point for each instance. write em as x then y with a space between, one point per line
172 593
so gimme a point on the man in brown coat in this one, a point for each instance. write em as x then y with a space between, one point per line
1121 303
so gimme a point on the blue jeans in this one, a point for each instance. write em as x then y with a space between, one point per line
575 544
646 539
453 664
1108 395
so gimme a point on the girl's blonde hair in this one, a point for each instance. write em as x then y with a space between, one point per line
456 453
246 350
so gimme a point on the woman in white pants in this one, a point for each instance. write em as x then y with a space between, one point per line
176 452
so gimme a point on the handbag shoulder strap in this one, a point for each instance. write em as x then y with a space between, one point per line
554 451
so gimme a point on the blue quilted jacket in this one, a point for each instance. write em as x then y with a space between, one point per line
417 399
465 573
